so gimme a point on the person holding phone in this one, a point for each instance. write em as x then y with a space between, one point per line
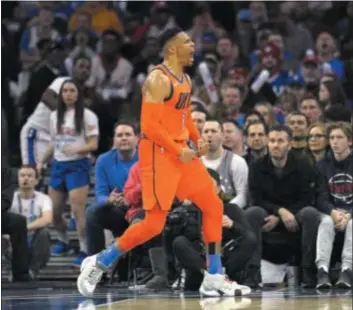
112 171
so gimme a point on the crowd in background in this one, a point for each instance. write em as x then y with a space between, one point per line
272 95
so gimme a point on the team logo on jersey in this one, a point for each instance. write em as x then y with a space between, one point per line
183 101
341 187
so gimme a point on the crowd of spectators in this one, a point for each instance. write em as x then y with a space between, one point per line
272 96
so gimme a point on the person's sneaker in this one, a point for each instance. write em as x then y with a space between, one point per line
79 259
217 285
323 281
60 249
91 274
345 279
309 278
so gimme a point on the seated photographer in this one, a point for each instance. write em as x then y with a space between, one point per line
38 210
239 242
111 171
135 213
337 170
282 190
232 168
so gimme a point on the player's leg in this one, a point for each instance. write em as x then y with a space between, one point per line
197 185
77 181
94 266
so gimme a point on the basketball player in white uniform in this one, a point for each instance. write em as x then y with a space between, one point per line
35 134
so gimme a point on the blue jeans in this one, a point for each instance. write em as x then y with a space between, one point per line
99 218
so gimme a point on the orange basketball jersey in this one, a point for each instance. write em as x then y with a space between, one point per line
175 106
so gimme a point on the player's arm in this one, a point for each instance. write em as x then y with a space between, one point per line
156 88
190 125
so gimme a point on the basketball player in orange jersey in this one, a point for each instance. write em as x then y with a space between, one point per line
169 168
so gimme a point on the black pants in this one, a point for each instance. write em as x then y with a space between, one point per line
235 258
15 225
308 220
39 249
99 218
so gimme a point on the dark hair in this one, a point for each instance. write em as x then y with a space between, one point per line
28 166
246 129
81 56
118 36
79 109
297 113
228 37
232 121
282 128
337 95
169 34
129 123
308 97
338 113
254 112
215 121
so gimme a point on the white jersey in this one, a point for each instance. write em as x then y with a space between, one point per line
68 135
31 208
40 117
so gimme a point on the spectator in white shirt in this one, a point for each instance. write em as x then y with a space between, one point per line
74 130
231 167
38 210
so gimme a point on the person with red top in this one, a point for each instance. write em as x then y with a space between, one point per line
135 213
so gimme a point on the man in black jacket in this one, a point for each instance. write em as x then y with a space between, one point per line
282 189
15 225
238 245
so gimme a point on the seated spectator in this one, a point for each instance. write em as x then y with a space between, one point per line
337 168
282 192
326 51
298 124
112 171
232 168
238 243
39 28
233 137
310 106
331 93
317 141
38 210
250 117
199 117
338 113
270 57
14 225
74 132
256 140
272 116
102 18
135 213
232 100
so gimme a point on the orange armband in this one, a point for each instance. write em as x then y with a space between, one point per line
151 116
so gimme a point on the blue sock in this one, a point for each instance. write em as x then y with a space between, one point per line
108 256
214 264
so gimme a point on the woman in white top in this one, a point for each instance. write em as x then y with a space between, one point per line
74 131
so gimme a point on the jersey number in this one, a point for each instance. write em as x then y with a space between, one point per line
183 101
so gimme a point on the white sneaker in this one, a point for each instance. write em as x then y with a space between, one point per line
89 277
215 285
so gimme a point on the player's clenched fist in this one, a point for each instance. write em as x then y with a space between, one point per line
202 147
186 155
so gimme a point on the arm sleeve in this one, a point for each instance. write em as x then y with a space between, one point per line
193 131
240 172
151 117
102 188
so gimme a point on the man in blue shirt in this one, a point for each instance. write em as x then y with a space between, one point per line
112 170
